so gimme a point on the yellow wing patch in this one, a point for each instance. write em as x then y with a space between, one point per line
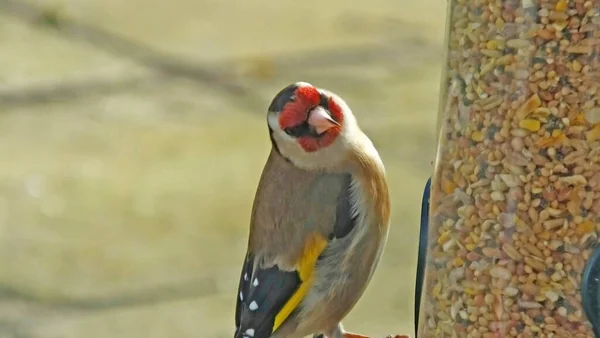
313 247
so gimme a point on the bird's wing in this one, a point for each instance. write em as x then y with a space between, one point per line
269 293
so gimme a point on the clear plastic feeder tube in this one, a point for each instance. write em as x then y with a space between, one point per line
515 204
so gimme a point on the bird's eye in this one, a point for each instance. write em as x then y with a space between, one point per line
302 129
324 102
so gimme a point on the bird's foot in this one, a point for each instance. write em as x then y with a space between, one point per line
354 335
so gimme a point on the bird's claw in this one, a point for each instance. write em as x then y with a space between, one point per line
354 335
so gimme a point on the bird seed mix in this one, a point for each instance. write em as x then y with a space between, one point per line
515 208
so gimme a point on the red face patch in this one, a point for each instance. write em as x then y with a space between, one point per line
296 113
336 111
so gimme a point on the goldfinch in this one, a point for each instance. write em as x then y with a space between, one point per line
319 221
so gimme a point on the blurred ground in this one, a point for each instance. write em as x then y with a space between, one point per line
133 134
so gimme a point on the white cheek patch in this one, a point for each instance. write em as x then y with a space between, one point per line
273 121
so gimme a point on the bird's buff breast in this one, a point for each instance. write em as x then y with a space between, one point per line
290 206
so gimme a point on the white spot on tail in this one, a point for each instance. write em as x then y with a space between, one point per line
250 332
241 296
255 283
253 306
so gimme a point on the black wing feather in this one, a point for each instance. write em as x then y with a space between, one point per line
243 288
262 294
344 221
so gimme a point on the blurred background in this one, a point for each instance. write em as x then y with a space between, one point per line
133 135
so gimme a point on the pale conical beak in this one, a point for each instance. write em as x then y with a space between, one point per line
320 120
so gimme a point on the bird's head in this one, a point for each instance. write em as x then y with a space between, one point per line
310 126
